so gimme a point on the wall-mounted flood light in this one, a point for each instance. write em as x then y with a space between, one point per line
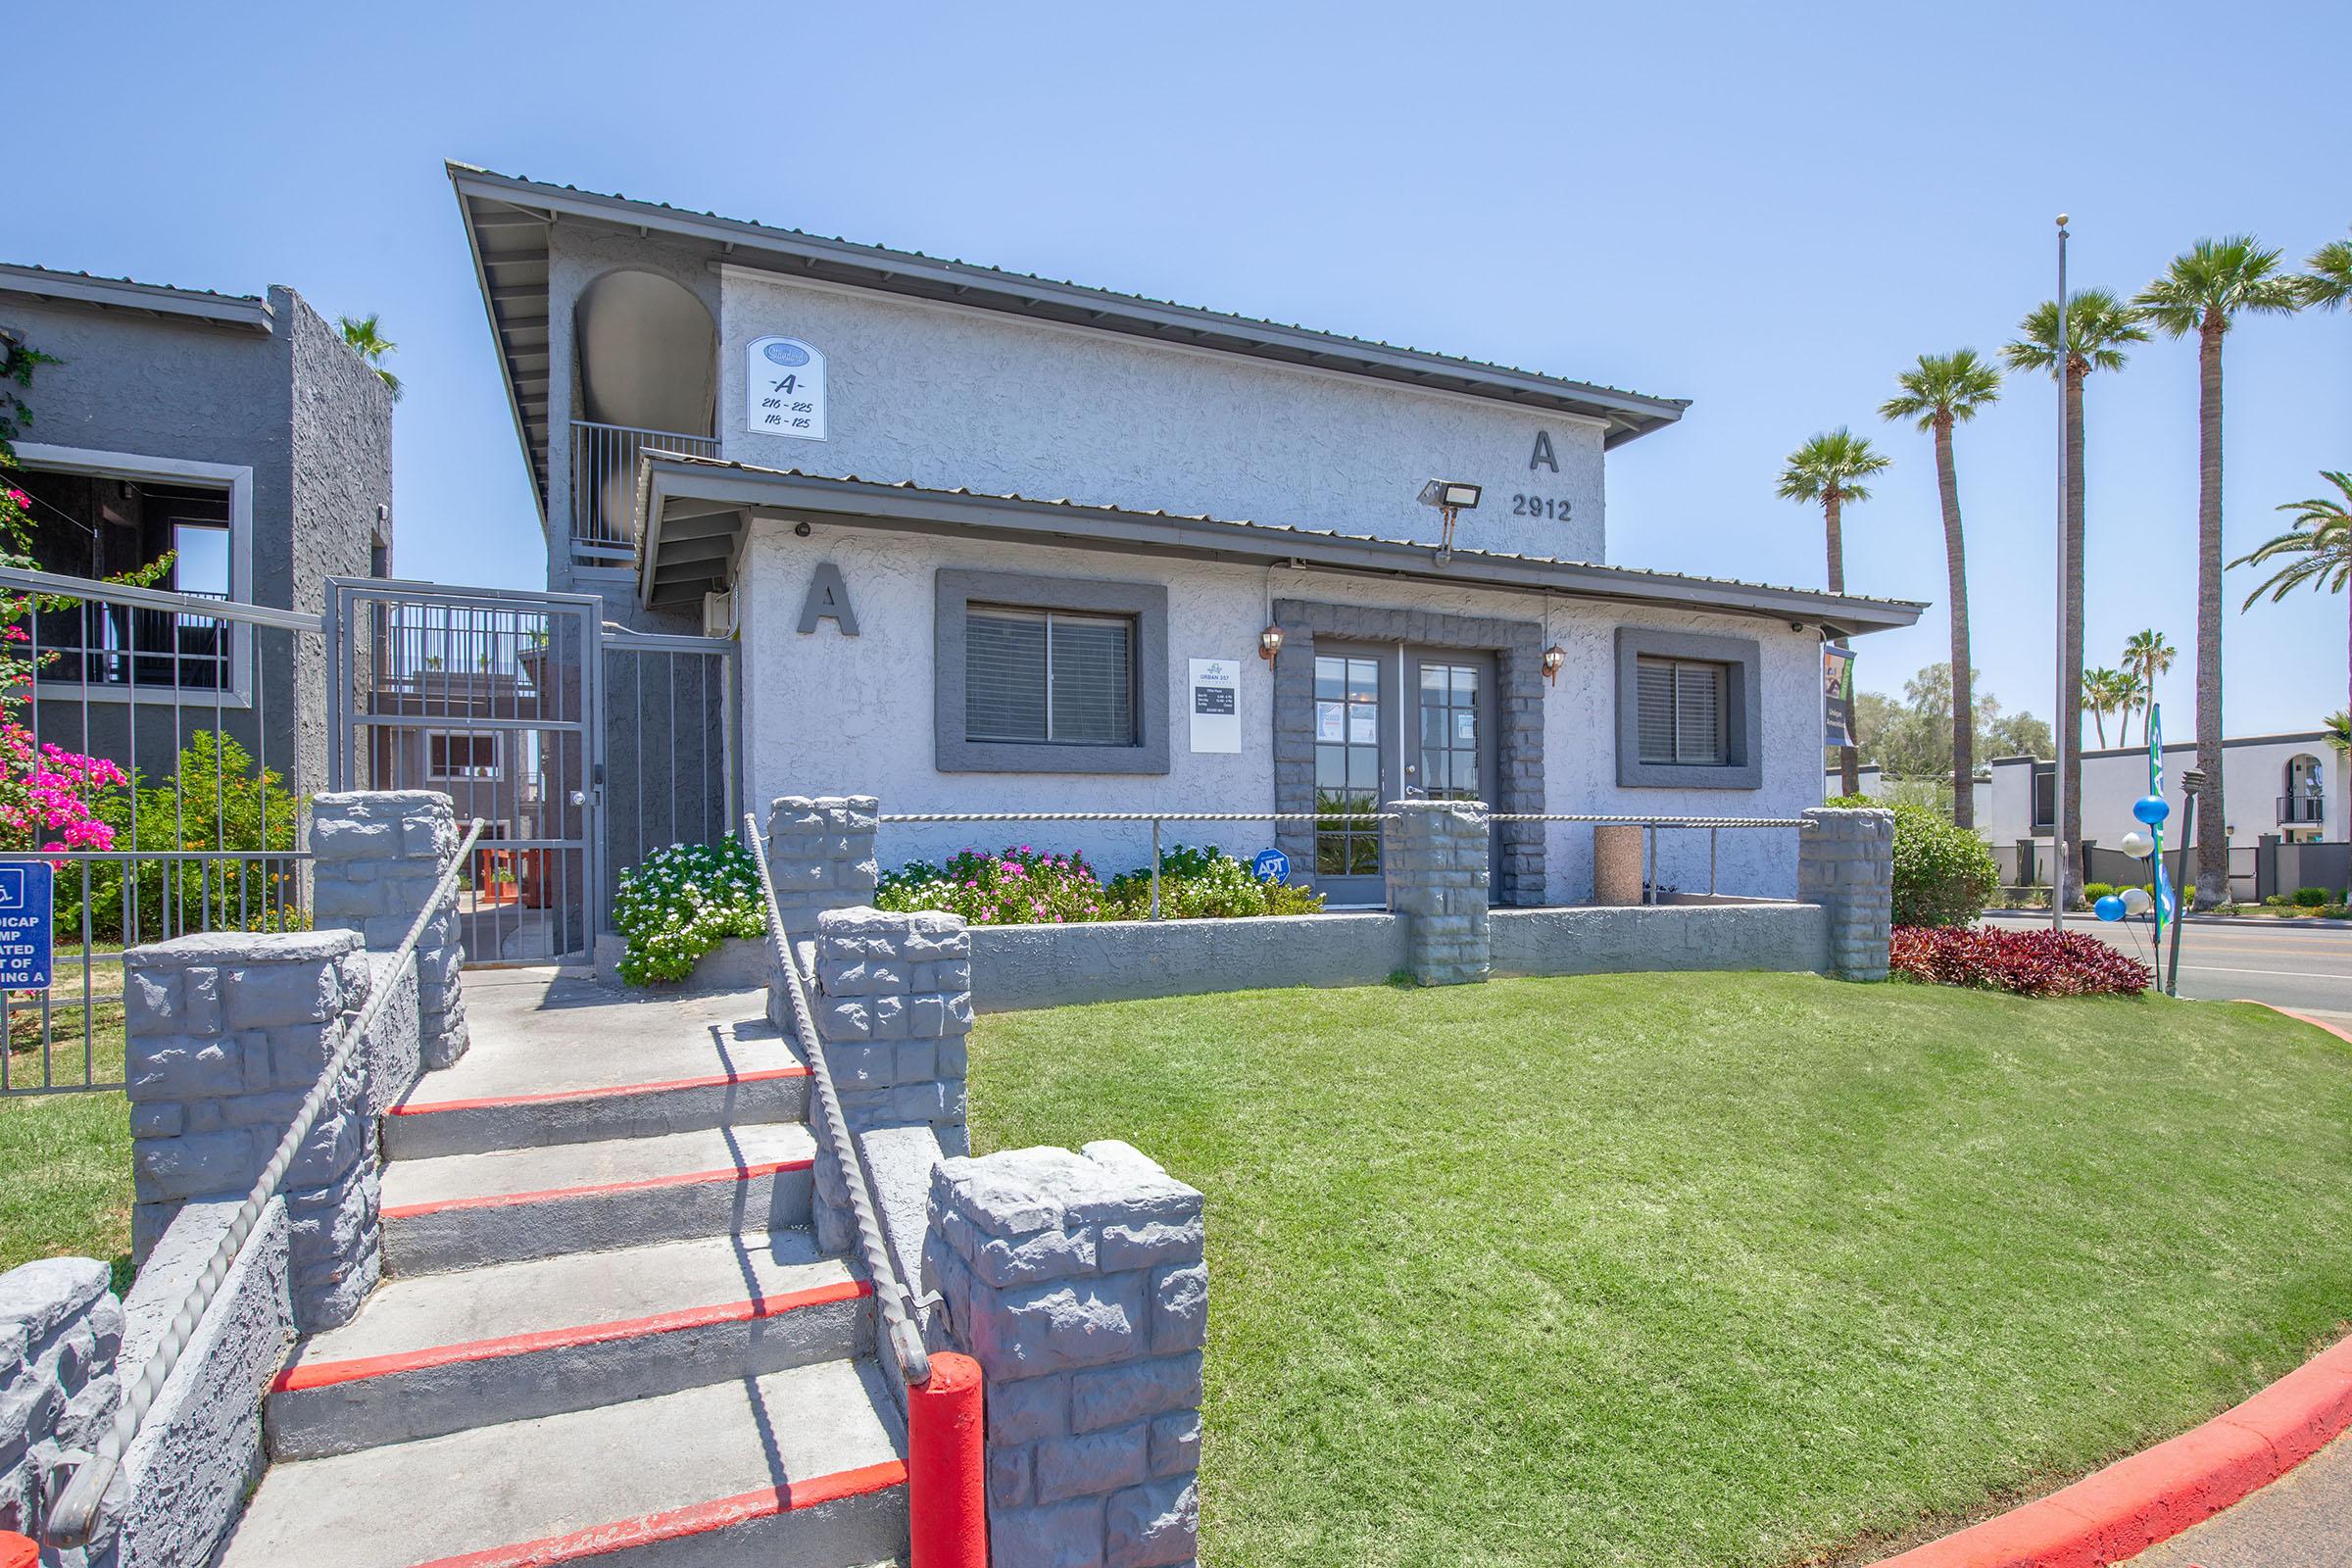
1553 658
1269 643
1452 497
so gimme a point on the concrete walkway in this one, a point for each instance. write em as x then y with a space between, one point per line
2303 1520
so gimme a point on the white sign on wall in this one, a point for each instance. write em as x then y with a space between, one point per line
784 388
1217 699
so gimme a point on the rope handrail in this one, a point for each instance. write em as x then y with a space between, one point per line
75 1516
894 818
892 1293
1649 821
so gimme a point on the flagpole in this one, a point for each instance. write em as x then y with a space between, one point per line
2060 878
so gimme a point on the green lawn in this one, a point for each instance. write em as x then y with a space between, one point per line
64 1160
1702 1269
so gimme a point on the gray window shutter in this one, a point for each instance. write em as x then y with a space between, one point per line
1093 681
1004 675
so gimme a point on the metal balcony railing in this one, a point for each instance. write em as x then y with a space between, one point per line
604 485
2299 808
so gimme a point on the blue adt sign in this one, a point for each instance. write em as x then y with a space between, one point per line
27 925
1271 865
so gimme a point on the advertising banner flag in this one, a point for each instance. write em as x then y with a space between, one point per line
1836 694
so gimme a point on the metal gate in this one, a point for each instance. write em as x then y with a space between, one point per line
490 697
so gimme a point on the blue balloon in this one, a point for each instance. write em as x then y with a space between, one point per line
2151 808
2109 907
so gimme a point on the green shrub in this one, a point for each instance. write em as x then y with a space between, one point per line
1943 873
681 902
2093 891
2277 900
2313 898
1206 884
1024 886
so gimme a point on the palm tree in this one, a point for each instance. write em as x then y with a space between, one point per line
2104 692
2318 551
2204 291
367 339
2338 725
2148 656
2329 281
1826 470
2092 337
1940 391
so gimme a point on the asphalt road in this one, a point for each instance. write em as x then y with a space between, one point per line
2305 967
2300 1521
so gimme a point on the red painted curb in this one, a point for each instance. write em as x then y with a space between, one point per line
2133 1503
325 1374
733 1173
567 1095
673 1524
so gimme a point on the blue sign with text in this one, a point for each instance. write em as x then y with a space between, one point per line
1271 865
27 925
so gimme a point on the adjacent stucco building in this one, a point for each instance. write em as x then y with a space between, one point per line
991 542
243 435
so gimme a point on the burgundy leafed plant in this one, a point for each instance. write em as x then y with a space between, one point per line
2029 962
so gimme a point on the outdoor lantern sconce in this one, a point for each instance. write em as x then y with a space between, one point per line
1553 658
1452 498
1269 643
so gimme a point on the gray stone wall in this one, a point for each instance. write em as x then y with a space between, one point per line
1079 1283
61 1330
1019 966
1438 875
821 854
226 1033
1846 863
1518 650
380 853
1637 938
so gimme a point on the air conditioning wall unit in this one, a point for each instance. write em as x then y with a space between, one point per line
719 614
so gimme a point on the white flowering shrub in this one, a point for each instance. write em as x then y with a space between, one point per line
683 902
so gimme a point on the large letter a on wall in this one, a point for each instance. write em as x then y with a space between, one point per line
828 599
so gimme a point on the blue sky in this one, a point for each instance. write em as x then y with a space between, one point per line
1767 210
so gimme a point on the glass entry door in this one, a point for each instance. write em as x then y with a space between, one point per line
1393 722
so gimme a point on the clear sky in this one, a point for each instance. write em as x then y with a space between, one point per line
1768 209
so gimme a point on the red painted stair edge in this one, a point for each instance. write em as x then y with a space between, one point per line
2133 1503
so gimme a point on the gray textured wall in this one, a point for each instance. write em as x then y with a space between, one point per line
1790 937
1113 961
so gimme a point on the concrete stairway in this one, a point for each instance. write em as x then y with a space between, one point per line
606 1333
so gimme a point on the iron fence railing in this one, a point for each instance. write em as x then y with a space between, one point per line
75 1515
2298 810
1652 866
149 754
893 1295
604 484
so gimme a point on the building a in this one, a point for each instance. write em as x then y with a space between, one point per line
203 427
991 542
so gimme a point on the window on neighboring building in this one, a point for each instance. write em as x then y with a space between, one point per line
460 754
1049 676
1682 718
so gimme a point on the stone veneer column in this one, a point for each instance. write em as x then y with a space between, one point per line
821 854
378 855
60 1331
1438 875
1846 863
225 1033
1078 1283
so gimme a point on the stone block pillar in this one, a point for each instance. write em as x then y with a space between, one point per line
379 852
820 853
1438 875
225 1034
1078 1283
61 1329
1846 863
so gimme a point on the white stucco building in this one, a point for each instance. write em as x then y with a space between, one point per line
997 543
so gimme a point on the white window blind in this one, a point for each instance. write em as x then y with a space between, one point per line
1041 676
1682 712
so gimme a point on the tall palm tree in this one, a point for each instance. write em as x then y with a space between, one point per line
1938 392
2328 284
366 336
2147 655
2318 551
1827 469
2104 692
2092 337
2204 290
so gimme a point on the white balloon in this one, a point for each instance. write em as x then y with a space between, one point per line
2136 845
2136 899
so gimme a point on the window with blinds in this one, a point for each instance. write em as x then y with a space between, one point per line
1681 711
1044 676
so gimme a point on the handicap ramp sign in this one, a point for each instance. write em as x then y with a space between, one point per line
27 925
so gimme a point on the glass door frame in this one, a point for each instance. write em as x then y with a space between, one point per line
1486 746
1357 888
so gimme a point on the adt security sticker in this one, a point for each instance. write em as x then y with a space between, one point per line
27 925
1271 865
